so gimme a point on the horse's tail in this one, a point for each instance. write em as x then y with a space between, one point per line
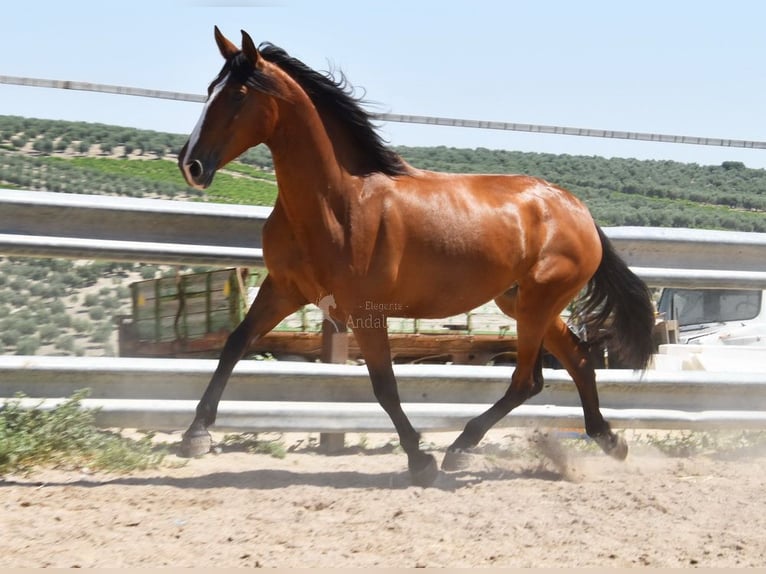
616 292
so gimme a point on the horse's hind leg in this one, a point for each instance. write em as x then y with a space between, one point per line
270 306
527 379
574 355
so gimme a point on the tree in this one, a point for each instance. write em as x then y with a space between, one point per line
28 345
96 313
43 145
9 336
48 332
65 343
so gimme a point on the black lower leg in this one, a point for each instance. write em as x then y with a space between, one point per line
523 385
377 352
517 394
196 440
422 466
478 426
596 426
537 376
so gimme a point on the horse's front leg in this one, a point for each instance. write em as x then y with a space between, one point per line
376 350
271 305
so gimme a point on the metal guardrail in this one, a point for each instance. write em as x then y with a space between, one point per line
682 248
81 226
284 396
45 224
87 216
143 251
337 417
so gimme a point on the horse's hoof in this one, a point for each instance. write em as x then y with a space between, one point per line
619 449
614 445
196 444
456 460
426 474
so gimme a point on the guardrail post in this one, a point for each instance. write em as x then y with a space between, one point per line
334 350
334 342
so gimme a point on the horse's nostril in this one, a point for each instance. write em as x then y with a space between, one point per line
195 169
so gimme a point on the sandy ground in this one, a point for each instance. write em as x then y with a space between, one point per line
525 501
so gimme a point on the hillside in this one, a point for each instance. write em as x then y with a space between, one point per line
81 157
60 307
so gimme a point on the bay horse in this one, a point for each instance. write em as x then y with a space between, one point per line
354 221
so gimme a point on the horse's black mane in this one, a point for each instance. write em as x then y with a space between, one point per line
333 98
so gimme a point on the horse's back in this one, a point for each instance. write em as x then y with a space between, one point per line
521 213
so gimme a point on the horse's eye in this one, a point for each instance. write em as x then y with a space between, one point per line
238 95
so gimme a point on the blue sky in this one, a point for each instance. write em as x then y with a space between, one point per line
688 68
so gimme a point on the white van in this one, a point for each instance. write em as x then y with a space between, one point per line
716 316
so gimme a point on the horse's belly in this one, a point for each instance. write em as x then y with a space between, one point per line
451 290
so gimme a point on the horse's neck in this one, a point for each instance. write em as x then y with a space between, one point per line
313 186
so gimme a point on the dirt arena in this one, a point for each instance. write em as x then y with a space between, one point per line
526 501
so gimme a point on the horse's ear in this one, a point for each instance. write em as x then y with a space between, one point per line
249 49
226 48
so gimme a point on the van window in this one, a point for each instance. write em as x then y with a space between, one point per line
693 306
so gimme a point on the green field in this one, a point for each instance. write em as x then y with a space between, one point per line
237 183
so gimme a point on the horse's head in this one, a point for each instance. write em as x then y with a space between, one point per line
240 112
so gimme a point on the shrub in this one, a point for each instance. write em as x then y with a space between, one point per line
65 343
26 326
61 319
111 303
42 315
148 272
19 283
90 300
82 325
43 145
57 307
102 332
37 289
17 299
9 336
28 345
49 332
68 279
66 436
47 290
96 313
